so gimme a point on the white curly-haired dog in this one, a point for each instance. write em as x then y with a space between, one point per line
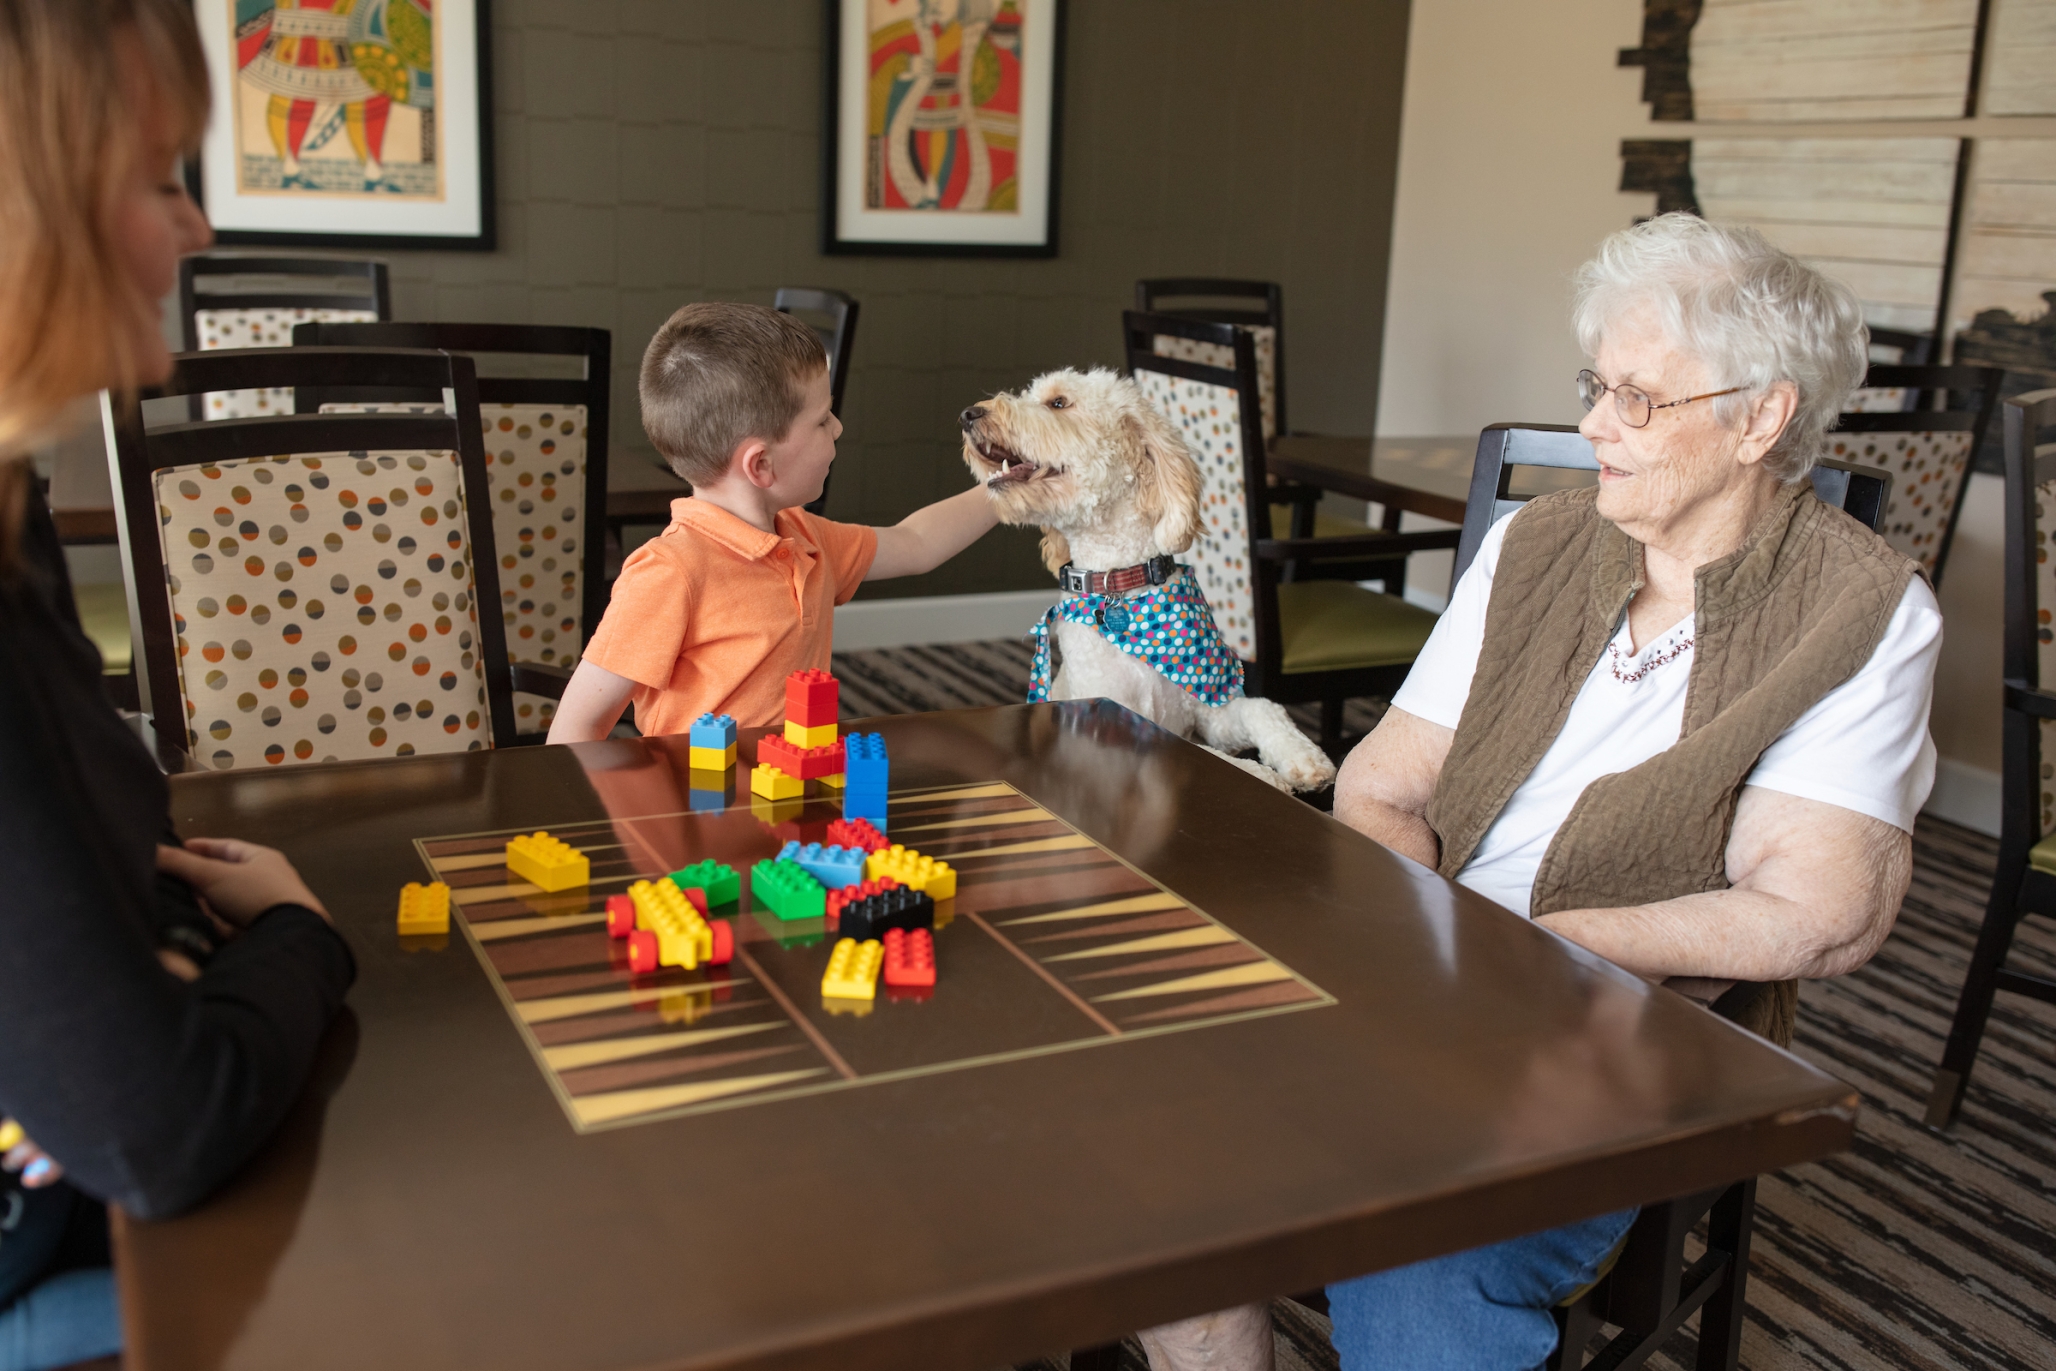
1106 477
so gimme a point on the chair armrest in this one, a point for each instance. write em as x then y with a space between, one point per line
2040 704
1360 486
537 679
1356 545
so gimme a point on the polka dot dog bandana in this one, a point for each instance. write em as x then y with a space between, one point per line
1170 627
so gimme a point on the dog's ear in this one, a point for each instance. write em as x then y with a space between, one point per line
1168 478
1056 550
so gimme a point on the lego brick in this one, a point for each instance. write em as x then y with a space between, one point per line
11 1135
802 737
857 833
896 908
773 784
424 908
910 868
870 808
864 891
853 970
787 891
807 764
724 943
811 697
642 952
864 764
909 957
620 916
710 758
683 938
547 863
717 880
715 731
834 782
833 867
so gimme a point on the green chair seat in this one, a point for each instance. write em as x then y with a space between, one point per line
1325 525
103 610
2042 856
1339 626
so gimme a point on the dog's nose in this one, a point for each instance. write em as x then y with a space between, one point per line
971 415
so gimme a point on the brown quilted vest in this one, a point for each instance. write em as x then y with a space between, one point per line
1783 620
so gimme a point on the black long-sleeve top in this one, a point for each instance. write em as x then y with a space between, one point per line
148 1089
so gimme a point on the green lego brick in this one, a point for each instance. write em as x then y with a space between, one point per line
787 890
718 879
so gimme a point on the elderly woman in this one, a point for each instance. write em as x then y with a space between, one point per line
1680 719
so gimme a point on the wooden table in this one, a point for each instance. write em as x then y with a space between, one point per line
1456 1076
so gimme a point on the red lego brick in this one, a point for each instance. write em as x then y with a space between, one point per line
838 898
857 833
909 957
620 916
811 698
724 943
805 763
642 952
695 897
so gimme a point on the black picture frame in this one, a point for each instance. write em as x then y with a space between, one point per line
485 240
833 241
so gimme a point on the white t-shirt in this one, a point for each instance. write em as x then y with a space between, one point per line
1863 746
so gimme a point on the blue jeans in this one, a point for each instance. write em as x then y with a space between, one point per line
70 1317
1482 1310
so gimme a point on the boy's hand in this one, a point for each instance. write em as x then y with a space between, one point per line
927 538
17 1153
236 880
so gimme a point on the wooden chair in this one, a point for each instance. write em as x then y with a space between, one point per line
546 459
1913 349
1325 640
833 317
249 300
1927 443
1258 306
280 567
2026 879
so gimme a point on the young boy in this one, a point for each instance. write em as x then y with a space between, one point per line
740 591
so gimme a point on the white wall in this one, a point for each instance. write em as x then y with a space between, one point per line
1509 159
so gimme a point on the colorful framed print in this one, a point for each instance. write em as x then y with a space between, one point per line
942 127
348 123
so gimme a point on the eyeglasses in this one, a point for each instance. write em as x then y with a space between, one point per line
1632 404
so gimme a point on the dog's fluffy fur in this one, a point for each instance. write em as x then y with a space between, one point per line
1108 480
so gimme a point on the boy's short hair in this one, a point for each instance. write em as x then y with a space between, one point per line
718 373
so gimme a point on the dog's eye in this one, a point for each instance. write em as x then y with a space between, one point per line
1060 403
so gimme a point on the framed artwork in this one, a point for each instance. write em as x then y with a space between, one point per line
348 123
942 127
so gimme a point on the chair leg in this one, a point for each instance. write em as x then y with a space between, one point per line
1728 1228
1974 1005
1331 726
1575 1325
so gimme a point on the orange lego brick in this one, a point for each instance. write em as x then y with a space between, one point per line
909 957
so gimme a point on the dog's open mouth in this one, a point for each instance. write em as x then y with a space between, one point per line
1014 469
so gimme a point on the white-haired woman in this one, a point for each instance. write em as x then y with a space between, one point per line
1680 719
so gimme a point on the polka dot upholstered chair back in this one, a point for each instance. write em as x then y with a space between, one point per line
535 478
324 607
1218 355
1208 415
1929 470
259 328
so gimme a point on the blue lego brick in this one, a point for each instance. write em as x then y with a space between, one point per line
833 867
865 769
870 807
712 730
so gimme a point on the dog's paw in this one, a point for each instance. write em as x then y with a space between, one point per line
1254 768
1303 769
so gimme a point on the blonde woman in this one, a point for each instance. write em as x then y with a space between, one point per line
159 1001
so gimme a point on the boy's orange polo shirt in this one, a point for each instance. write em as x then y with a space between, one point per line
713 614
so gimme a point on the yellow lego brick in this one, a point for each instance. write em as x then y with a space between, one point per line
547 863
834 782
424 908
683 937
853 970
910 868
711 758
799 735
11 1135
774 784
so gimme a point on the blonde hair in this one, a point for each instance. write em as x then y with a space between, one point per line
716 374
71 132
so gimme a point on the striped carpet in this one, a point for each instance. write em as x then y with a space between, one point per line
1909 1252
